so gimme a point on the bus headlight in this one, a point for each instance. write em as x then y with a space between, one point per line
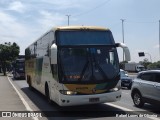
67 92
114 89
117 87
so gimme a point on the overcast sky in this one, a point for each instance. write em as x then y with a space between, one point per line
23 21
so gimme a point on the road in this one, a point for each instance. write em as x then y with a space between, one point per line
37 102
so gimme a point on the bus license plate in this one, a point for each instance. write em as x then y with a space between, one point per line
93 99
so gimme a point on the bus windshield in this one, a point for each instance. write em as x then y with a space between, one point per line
93 65
19 64
86 56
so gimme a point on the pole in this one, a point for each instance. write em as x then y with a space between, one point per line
149 56
123 35
159 38
68 18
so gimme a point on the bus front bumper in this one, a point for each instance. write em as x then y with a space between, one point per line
71 100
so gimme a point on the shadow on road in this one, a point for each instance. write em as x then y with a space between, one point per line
1 74
152 108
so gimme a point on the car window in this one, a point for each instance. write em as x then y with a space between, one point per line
157 77
139 75
123 74
147 77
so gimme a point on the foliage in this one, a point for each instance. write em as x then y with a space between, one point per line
8 53
145 63
155 65
121 64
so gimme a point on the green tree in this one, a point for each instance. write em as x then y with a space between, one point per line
145 63
8 53
122 64
155 65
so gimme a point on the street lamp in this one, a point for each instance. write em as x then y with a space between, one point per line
68 18
159 38
0 62
149 56
123 34
141 54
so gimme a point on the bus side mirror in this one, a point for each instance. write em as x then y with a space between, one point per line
126 51
53 54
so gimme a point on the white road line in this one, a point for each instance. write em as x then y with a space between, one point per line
119 107
126 109
28 108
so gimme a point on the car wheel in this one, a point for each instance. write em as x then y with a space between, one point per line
137 99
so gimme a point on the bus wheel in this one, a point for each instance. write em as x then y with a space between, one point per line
29 83
47 93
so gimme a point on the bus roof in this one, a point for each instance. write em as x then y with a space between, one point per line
80 28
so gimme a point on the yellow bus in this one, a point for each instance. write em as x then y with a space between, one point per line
75 65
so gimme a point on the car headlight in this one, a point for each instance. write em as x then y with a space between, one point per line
67 92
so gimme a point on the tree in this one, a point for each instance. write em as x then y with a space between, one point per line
8 53
122 64
145 63
155 65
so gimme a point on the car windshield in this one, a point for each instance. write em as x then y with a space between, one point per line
123 74
141 68
88 64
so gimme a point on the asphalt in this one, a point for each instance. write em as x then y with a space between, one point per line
9 99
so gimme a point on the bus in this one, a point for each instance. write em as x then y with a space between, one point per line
19 67
75 65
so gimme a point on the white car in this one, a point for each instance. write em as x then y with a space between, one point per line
146 88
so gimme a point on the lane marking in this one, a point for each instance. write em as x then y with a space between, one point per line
119 107
28 108
126 109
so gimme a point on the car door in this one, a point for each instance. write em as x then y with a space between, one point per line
146 85
156 91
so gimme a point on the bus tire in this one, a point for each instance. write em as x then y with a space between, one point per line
47 93
29 83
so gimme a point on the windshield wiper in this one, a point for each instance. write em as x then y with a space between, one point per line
94 65
84 70
100 69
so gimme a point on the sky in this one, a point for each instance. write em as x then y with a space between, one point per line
24 21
